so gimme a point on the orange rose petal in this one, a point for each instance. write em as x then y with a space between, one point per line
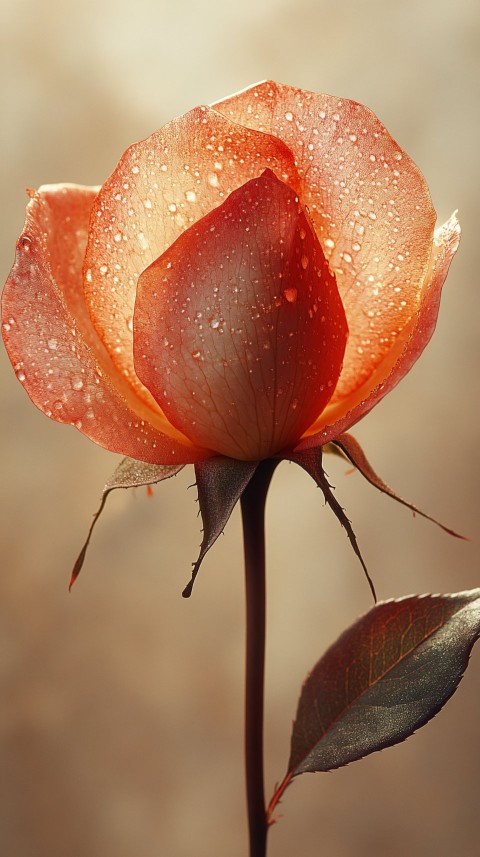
160 187
239 328
52 345
339 417
369 204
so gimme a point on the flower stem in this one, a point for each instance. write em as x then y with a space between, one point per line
253 518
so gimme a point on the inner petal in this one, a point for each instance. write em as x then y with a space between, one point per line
239 330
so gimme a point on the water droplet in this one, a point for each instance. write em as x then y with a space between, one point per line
143 241
117 237
294 404
172 207
191 196
304 262
212 179
77 384
215 323
352 137
147 203
58 405
135 170
130 324
289 116
290 294
6 327
356 247
89 414
196 355
302 234
52 343
372 215
21 376
329 242
347 258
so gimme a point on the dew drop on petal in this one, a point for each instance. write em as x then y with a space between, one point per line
290 295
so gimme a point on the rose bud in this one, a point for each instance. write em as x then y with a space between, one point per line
250 281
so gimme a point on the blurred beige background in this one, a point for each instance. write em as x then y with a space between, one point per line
121 704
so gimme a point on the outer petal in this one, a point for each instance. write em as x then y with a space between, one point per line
408 347
239 328
160 187
53 346
369 204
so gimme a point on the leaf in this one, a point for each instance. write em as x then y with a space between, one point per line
352 450
130 473
386 676
312 461
221 482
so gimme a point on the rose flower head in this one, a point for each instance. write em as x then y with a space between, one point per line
249 282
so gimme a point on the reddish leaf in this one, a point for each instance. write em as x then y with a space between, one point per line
130 473
386 676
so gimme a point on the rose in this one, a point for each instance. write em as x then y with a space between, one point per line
252 279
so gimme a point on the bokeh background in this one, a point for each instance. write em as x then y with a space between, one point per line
121 704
